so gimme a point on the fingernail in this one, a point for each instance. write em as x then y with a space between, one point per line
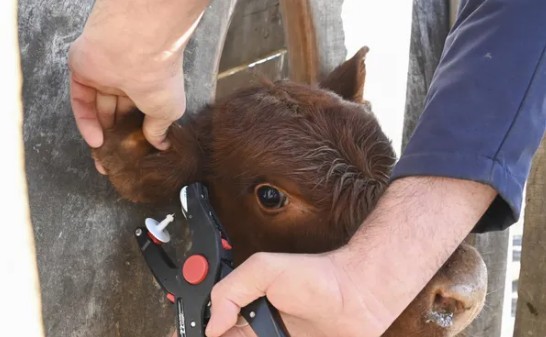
94 141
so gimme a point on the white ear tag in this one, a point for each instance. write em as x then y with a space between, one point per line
159 229
184 199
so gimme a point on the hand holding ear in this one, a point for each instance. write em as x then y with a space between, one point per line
131 58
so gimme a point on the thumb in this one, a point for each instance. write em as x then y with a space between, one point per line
249 281
155 131
161 109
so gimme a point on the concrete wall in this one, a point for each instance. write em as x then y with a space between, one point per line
93 280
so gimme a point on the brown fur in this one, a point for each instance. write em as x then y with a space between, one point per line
322 148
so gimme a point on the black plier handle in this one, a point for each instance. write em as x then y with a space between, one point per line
208 261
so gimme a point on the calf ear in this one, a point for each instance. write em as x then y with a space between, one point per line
141 173
347 80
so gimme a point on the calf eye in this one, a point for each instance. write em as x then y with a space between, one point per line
270 197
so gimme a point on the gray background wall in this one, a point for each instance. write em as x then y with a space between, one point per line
94 281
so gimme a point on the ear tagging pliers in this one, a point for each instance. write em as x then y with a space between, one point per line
188 286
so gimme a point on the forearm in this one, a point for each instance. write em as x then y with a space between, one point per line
483 119
416 226
484 115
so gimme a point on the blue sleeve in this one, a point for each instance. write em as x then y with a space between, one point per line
485 112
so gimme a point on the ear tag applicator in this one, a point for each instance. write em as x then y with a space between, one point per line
188 285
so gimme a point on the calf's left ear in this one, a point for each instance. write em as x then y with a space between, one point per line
141 173
347 80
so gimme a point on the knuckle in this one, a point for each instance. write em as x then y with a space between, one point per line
216 294
259 259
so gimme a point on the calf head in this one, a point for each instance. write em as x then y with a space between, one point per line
290 168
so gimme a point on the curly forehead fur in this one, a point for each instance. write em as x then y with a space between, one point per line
320 141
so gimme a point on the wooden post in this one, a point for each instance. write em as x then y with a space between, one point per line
430 26
315 39
531 308
94 281
494 249
255 44
20 307
203 53
302 44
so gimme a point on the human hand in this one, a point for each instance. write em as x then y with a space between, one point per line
130 55
361 288
315 295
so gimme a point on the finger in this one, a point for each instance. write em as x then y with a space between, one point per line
246 283
241 329
161 109
240 332
124 106
155 131
106 109
83 100
100 168
241 322
228 310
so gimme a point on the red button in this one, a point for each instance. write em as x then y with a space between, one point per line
226 244
170 297
195 269
154 239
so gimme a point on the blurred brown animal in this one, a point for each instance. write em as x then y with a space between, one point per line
291 168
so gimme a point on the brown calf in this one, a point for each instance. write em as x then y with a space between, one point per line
291 168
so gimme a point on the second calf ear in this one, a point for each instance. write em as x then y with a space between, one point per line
347 80
141 173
